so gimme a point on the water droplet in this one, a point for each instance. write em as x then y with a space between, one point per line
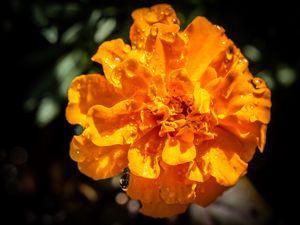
168 11
116 77
126 48
218 27
173 141
229 53
154 31
78 155
124 180
140 45
175 20
258 83
169 37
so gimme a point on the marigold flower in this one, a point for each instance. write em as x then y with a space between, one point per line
180 109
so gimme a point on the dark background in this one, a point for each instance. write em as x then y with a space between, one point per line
44 44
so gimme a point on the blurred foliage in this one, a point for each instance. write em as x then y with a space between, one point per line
45 44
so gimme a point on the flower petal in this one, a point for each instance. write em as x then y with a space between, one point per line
202 100
110 54
177 152
242 95
143 165
117 125
206 41
144 157
143 189
87 91
226 169
249 135
144 18
98 162
208 191
161 209
174 187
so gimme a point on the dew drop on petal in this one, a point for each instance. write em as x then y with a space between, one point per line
258 83
126 48
78 155
154 31
229 53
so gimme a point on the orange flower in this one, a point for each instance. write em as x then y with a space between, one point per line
180 109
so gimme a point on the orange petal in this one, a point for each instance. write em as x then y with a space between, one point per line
98 162
110 54
194 173
177 152
113 126
174 187
87 91
202 100
143 165
250 135
206 41
242 95
162 210
143 189
179 83
144 155
144 18
208 191
227 170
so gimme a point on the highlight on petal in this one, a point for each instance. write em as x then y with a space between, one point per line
226 169
177 152
206 41
112 126
98 162
110 54
143 155
87 91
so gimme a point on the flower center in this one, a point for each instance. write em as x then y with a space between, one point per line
174 113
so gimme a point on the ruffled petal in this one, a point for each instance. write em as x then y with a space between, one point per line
206 41
98 162
144 155
249 135
242 95
110 54
117 125
177 152
224 161
87 91
144 18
